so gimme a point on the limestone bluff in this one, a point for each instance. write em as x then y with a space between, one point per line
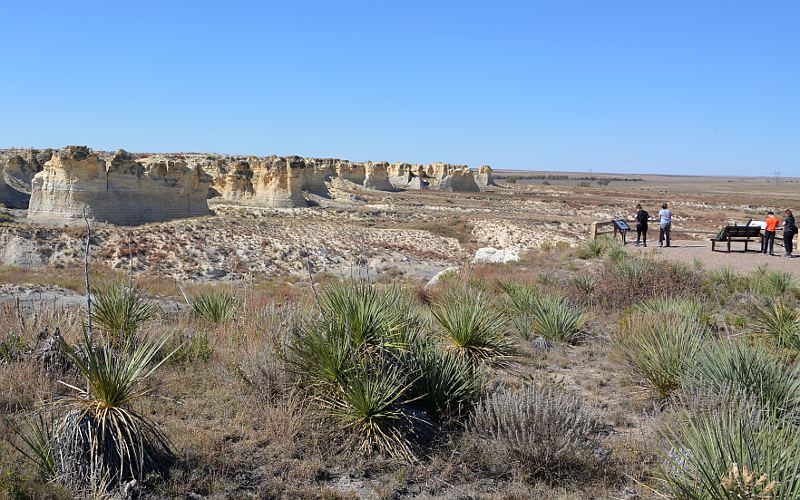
59 185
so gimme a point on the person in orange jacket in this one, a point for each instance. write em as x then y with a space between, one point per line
769 233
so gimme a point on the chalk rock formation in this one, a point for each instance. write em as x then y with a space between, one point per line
264 182
376 176
485 179
317 174
446 177
123 191
17 168
495 256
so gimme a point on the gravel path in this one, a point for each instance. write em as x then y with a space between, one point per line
687 251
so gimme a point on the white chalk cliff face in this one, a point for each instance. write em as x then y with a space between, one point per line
122 191
264 182
485 178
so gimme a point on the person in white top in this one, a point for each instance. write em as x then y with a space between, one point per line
665 214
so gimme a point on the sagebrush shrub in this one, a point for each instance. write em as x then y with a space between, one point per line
544 430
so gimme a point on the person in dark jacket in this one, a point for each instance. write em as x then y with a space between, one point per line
789 230
641 225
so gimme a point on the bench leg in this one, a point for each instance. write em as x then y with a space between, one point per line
729 245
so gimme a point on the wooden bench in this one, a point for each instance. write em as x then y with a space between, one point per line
745 234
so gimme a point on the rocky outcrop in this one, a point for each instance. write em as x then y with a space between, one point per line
376 176
484 178
264 182
123 191
17 168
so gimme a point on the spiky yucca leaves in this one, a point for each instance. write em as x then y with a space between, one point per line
472 327
592 249
772 283
36 442
102 439
736 451
781 322
586 283
630 268
689 307
544 429
660 348
445 384
215 307
372 403
726 278
750 370
120 310
368 315
546 314
320 354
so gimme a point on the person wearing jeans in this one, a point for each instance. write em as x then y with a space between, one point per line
769 233
641 225
665 214
789 230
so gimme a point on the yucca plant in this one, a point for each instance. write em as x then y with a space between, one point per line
372 404
472 327
726 278
102 438
630 268
369 316
444 383
685 306
750 370
215 307
320 354
120 310
592 249
36 441
734 452
558 320
781 322
660 348
586 283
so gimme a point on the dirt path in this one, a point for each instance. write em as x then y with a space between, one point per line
687 251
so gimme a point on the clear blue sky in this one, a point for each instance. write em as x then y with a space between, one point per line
669 86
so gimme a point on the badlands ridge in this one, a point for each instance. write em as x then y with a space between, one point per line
64 185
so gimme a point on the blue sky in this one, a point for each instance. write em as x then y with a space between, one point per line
623 86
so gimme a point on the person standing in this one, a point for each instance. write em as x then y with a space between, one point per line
789 230
641 225
665 229
769 233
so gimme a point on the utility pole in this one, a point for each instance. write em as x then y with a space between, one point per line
777 174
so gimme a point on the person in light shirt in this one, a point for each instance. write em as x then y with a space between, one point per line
665 215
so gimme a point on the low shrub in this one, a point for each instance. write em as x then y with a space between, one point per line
543 430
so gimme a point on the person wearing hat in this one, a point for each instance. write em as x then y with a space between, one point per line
769 233
789 230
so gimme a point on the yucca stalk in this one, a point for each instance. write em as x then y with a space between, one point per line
781 322
102 438
215 307
120 310
474 329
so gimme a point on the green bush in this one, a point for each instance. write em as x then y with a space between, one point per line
726 278
545 314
